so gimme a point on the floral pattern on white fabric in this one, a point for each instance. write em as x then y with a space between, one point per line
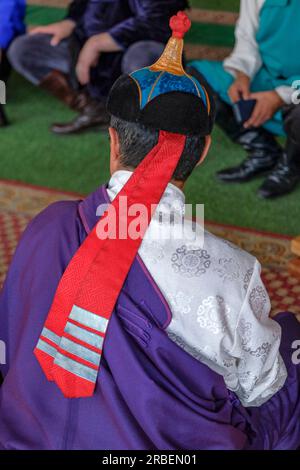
180 302
261 351
228 269
245 332
152 251
228 362
213 314
247 278
224 325
258 299
190 261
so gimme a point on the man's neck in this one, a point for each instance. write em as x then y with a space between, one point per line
179 184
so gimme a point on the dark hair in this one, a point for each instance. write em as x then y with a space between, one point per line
136 141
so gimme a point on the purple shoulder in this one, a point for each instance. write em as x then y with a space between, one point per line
56 232
55 220
58 213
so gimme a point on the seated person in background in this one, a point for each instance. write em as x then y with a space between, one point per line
44 55
177 320
107 36
12 14
263 66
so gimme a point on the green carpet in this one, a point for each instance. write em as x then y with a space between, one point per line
36 15
225 5
211 34
31 154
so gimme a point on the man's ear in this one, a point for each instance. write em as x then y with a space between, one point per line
114 150
205 150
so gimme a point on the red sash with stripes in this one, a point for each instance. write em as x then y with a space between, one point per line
70 346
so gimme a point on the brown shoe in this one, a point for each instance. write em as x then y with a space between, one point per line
94 114
57 84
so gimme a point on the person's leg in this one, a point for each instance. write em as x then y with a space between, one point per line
286 174
141 54
34 57
109 68
219 80
3 118
4 73
224 113
4 67
93 112
47 66
261 145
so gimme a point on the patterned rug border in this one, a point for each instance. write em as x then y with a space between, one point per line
41 188
22 201
54 191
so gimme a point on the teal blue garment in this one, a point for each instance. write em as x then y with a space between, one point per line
278 37
220 80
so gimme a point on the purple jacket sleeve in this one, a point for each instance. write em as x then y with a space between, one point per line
44 251
151 22
76 10
129 21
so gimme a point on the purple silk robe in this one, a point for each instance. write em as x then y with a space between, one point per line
150 393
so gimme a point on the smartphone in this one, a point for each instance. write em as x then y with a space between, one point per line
243 110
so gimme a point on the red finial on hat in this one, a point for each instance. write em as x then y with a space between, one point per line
171 59
180 24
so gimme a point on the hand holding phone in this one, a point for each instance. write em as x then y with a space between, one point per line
243 110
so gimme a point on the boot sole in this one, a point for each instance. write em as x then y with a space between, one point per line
93 128
245 180
275 196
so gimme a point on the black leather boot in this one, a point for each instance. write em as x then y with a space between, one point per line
285 176
94 114
263 155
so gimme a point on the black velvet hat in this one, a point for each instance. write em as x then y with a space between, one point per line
163 96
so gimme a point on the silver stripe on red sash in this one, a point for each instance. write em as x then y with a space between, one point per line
46 348
89 319
87 336
80 351
50 335
76 368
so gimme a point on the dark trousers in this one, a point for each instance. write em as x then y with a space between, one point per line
4 67
291 116
34 57
4 73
